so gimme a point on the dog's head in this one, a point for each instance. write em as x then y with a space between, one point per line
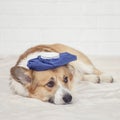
51 85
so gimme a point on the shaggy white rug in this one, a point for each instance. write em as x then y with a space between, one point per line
91 102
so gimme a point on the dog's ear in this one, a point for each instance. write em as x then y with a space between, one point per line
71 68
21 74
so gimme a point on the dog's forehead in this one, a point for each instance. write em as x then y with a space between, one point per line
41 75
52 72
45 76
61 70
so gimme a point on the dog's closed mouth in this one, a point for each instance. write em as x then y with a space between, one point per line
51 100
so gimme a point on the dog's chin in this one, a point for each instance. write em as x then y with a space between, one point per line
58 103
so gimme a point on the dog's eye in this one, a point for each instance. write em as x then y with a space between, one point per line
50 84
65 79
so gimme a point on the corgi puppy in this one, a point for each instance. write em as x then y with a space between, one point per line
53 85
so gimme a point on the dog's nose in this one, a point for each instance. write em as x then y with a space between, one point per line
67 98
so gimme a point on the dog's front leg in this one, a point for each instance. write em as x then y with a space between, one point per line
97 78
90 73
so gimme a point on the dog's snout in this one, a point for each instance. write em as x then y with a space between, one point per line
67 98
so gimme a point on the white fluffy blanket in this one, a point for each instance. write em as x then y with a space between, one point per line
92 101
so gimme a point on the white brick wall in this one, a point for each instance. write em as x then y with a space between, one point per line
92 26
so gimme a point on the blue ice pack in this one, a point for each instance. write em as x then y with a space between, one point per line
41 63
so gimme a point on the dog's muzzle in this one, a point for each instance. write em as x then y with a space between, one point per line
67 98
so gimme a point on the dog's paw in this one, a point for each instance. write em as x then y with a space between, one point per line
91 78
106 78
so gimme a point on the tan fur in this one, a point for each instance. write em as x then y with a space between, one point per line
56 48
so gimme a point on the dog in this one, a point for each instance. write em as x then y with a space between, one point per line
53 85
